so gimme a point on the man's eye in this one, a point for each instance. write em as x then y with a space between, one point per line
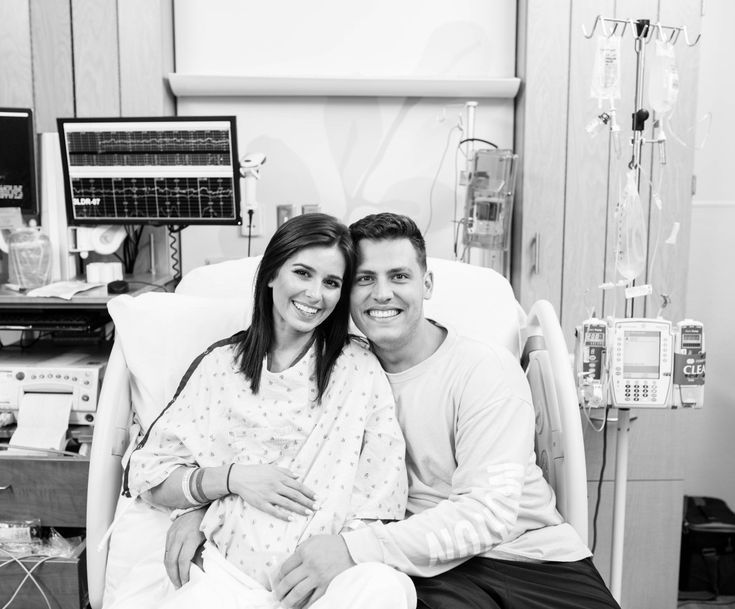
400 276
363 279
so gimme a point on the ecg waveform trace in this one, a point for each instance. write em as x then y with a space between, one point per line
153 198
136 148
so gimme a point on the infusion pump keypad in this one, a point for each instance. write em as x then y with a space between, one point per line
642 364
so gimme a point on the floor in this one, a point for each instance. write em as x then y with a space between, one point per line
721 602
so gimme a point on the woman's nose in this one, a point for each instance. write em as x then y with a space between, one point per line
314 290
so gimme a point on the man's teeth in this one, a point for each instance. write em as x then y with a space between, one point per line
305 308
380 313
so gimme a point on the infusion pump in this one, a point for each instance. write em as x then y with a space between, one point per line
640 363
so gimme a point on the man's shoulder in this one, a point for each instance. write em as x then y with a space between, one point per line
474 352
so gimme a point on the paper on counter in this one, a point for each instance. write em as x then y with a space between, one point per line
43 419
63 289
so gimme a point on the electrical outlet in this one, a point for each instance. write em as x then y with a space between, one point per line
252 227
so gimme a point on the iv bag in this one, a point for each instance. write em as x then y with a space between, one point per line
630 257
606 69
663 81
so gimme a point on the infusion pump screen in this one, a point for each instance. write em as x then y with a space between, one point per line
641 354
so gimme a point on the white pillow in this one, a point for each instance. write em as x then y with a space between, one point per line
228 279
162 333
476 301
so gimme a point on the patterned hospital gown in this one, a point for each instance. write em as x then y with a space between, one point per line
349 449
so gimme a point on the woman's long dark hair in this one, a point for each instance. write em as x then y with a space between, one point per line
301 232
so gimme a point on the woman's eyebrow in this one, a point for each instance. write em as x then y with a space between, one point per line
311 269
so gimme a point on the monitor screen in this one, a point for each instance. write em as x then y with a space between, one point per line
641 354
17 161
166 170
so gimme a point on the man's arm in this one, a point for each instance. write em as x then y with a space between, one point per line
493 450
183 540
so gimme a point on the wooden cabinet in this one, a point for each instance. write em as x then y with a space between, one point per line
52 489
55 491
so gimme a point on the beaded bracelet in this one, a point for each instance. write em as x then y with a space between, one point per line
227 481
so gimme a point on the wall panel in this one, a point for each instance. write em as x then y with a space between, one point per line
53 76
145 29
669 261
587 177
16 66
96 64
541 116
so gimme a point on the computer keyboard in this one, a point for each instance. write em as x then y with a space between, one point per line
53 320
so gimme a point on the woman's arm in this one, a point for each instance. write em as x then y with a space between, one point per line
202 484
272 489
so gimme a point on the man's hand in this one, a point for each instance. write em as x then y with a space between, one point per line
305 575
182 541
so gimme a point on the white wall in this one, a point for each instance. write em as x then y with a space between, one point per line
710 439
351 155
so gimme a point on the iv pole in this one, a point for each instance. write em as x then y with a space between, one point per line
623 428
640 115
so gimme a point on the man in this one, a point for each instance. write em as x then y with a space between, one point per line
482 530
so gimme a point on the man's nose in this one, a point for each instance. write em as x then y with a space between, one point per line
382 291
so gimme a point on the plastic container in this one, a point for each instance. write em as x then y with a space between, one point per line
29 251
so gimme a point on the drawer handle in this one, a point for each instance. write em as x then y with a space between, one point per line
5 487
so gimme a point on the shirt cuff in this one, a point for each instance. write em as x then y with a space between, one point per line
175 513
363 545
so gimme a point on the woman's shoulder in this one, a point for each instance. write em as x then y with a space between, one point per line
358 348
225 347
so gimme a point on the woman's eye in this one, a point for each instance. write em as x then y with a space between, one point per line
301 272
332 284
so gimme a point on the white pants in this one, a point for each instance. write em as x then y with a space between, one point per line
222 585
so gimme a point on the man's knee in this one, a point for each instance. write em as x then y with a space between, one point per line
371 584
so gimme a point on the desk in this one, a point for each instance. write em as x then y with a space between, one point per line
96 298
81 315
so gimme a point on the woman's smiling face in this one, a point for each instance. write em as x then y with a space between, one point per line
306 289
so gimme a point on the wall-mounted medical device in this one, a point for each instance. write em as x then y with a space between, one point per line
150 170
73 375
489 199
640 363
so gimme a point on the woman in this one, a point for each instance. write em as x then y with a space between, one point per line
287 429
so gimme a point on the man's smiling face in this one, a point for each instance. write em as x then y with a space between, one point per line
387 300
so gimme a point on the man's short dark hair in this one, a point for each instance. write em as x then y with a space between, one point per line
377 227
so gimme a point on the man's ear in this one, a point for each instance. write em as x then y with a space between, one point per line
428 284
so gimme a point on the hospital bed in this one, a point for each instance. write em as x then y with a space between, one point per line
157 335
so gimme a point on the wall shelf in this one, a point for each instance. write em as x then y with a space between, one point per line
209 85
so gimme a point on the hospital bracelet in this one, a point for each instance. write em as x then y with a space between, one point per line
186 486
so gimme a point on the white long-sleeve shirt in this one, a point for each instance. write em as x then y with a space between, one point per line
474 486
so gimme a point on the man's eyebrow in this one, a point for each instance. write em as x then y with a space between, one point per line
368 271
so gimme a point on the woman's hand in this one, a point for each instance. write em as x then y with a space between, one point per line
273 490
